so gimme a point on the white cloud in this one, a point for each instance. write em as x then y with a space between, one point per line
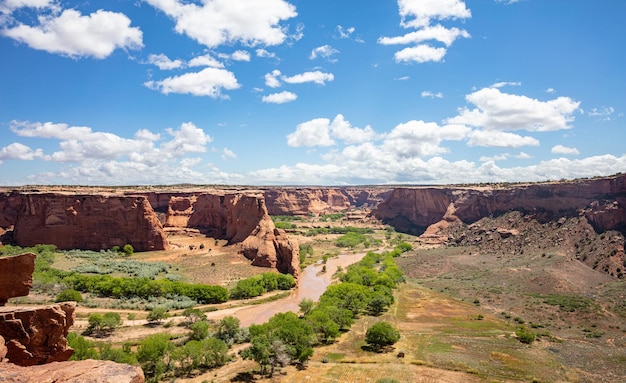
271 79
164 62
17 151
208 82
325 51
345 33
311 133
205 60
419 13
228 154
404 78
438 33
505 83
420 54
264 53
8 6
560 149
500 139
550 90
216 22
316 77
427 93
72 34
498 157
420 139
241 55
341 129
502 111
280 98
604 111
188 139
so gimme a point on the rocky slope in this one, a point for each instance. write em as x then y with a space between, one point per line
92 371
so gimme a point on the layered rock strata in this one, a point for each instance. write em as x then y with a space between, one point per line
602 201
93 222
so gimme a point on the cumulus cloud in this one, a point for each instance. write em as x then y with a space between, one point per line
421 139
324 132
208 82
228 154
311 133
217 22
419 13
205 60
604 112
420 54
164 62
438 33
325 51
500 139
315 76
241 55
503 111
280 98
8 6
75 35
271 79
17 151
264 53
560 149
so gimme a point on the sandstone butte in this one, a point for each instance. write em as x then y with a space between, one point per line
33 339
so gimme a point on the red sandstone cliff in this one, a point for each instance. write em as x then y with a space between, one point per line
241 219
317 201
602 201
92 222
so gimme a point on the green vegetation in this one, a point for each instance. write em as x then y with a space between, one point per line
381 335
570 303
260 284
103 325
338 230
286 218
158 315
284 225
332 217
525 335
350 239
306 249
69 295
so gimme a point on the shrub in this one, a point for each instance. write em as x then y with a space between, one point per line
524 335
69 295
158 314
128 249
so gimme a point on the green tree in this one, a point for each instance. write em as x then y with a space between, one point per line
199 330
194 315
381 335
83 348
158 315
153 354
111 321
306 305
228 329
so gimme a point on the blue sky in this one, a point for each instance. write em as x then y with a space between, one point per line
297 92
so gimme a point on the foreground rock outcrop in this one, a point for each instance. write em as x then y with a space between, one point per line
37 335
94 222
16 276
91 371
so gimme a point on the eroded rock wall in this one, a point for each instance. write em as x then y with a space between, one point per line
602 201
93 222
91 371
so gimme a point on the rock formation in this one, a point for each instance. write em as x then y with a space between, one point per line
316 201
37 335
602 201
16 276
92 371
94 222
241 219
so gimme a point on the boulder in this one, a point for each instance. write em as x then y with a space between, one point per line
16 276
